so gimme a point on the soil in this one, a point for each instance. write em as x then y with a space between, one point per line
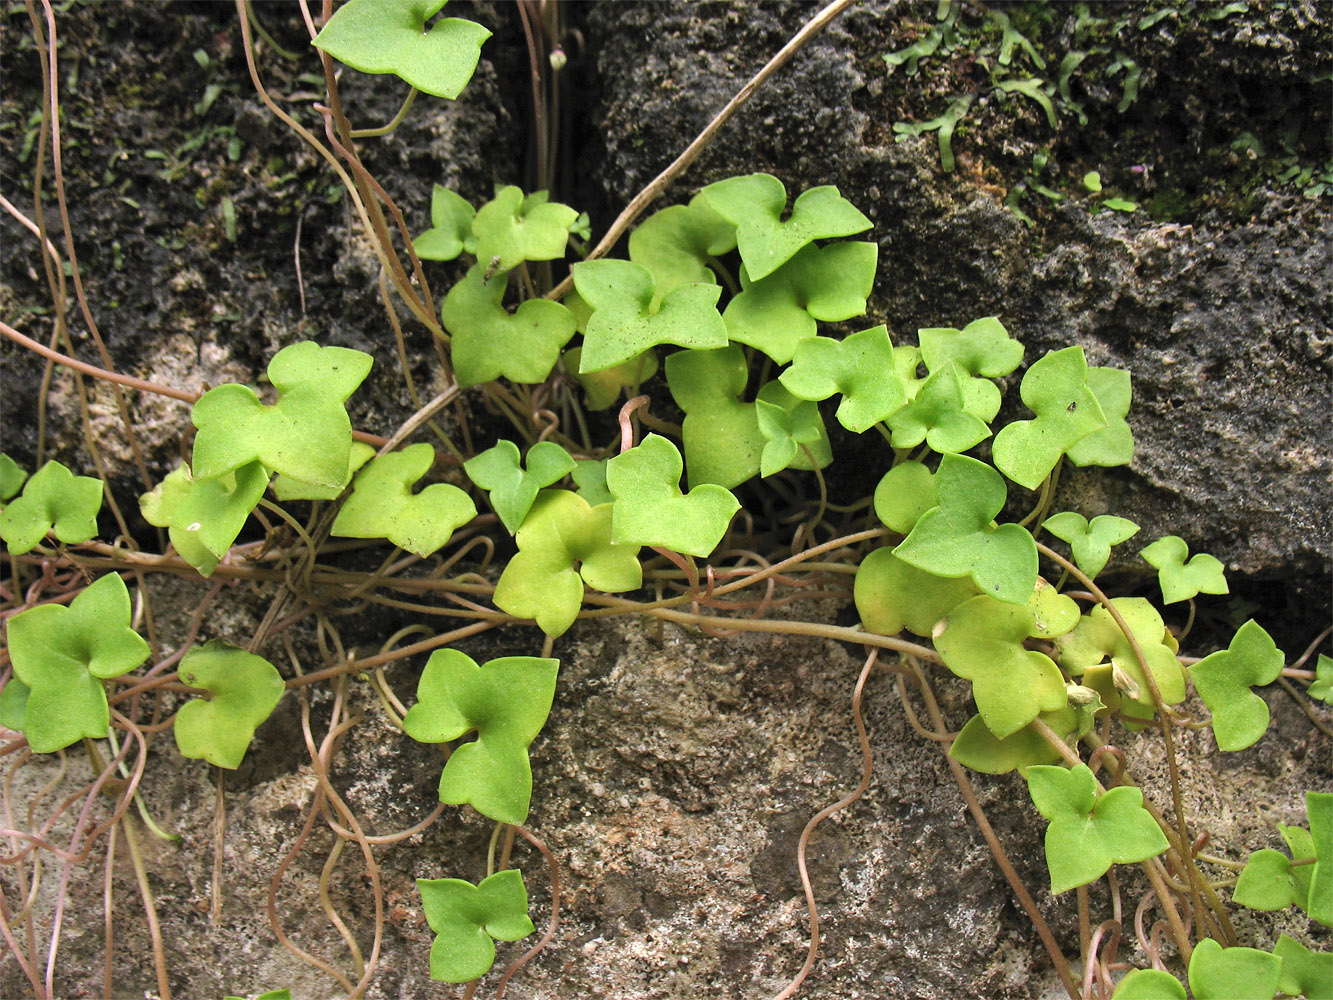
677 771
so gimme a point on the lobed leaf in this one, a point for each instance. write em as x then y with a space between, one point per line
1180 580
390 36
1224 678
1089 832
1322 688
513 488
512 228
892 595
382 504
467 919
677 243
12 478
54 500
651 510
602 388
204 516
1056 389
775 313
788 423
450 232
61 655
937 414
983 350
754 205
1114 443
1217 973
721 434
306 435
1304 972
624 322
245 689
862 367
1149 984
286 488
959 537
981 750
1090 542
488 341
506 703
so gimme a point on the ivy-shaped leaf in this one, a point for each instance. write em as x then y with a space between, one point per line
1322 688
1268 881
1114 443
450 233
602 388
1224 678
861 367
1090 541
506 702
959 536
775 313
1089 832
12 478
511 228
650 509
306 435
1218 973
903 494
1304 972
245 689
513 488
285 488
624 322
937 415
983 350
892 595
721 434
382 504
390 36
676 244
563 544
589 476
754 205
62 654
54 500
981 750
467 919
1122 683
982 641
1149 984
204 516
1056 389
787 424
1181 580
488 341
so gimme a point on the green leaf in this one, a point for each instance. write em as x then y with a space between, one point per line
677 243
944 125
982 641
1267 882
506 703
1218 973
1181 580
204 516
787 423
983 350
650 509
1089 832
1319 807
1149 984
1224 678
775 313
1098 638
1322 688
861 367
720 433
488 341
306 435
590 477
62 654
1056 389
54 500
512 488
390 36
1304 972
959 537
937 415
286 488
282 994
1034 89
1090 542
450 234
754 205
981 750
904 493
467 919
602 388
1114 443
12 478
562 544
624 322
892 595
245 689
512 228
382 504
